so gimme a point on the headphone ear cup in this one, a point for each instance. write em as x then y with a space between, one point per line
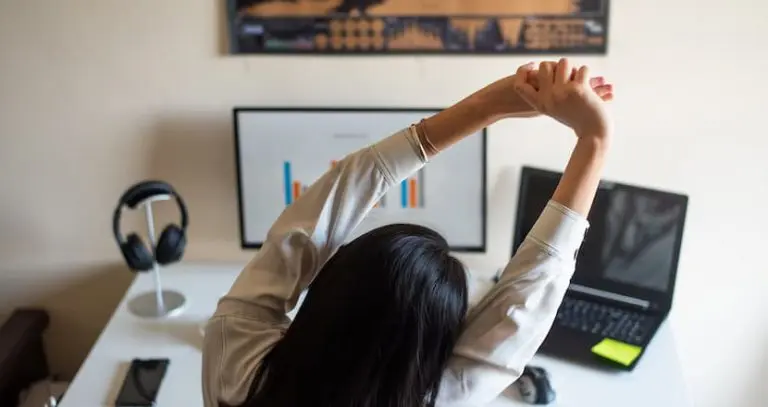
136 254
170 246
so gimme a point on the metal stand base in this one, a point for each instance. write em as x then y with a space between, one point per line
146 305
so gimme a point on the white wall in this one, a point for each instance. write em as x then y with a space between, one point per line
95 95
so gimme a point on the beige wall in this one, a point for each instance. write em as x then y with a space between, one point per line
95 95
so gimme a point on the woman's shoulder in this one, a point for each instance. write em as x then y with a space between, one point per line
234 347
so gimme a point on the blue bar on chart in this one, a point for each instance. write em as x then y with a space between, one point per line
287 179
412 191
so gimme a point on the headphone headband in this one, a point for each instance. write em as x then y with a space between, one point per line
140 192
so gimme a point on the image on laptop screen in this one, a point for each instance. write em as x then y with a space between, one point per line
634 236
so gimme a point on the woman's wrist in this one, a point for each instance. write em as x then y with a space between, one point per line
488 106
456 122
598 142
483 107
581 177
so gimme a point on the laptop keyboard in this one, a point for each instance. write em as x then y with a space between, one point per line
604 320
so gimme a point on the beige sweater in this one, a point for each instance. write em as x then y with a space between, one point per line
503 330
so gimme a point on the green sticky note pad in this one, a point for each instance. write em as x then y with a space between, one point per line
617 351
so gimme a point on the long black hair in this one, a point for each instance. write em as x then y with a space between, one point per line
376 328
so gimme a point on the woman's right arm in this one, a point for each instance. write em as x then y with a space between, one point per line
504 330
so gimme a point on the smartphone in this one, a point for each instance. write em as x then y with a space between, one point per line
142 383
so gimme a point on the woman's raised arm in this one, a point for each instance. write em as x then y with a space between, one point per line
506 328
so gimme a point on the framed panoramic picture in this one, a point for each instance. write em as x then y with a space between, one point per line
360 27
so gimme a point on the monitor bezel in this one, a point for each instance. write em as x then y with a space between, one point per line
658 301
257 244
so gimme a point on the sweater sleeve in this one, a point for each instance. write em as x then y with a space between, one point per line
251 318
505 329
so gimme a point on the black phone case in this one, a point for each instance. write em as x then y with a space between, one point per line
126 400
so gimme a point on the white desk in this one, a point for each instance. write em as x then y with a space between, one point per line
656 382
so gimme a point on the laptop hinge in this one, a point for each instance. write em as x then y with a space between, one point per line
637 302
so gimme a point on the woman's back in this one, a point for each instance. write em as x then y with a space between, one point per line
377 327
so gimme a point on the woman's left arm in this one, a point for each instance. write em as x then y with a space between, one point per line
251 317
310 230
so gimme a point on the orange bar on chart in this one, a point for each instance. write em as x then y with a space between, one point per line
412 194
296 189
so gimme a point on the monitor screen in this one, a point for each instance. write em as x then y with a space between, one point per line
280 151
634 236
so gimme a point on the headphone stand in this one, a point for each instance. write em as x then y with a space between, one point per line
159 303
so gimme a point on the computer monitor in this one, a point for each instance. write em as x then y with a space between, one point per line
633 244
281 151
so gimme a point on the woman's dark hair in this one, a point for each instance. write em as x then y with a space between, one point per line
376 328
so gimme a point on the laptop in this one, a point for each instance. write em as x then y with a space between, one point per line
624 282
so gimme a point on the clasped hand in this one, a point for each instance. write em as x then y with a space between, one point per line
556 89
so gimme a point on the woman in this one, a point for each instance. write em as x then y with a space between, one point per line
384 322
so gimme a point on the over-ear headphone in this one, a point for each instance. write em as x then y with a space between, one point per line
170 246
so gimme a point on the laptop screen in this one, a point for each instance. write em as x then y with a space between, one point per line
634 239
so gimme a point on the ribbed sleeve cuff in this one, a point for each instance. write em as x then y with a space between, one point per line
560 229
400 155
